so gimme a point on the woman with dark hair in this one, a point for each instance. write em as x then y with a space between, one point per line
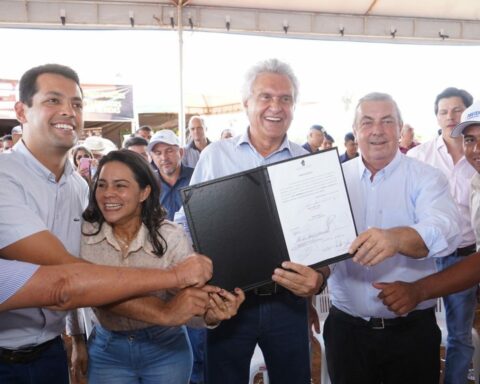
125 225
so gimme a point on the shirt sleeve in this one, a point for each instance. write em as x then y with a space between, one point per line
437 219
18 219
13 276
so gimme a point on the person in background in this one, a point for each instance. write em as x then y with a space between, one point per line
446 154
351 148
166 153
144 131
198 141
227 133
138 144
99 146
328 141
7 141
316 135
125 226
17 133
407 138
406 218
83 167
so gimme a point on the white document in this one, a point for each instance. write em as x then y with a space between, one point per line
313 207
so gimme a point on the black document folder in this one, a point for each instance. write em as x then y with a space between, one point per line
236 222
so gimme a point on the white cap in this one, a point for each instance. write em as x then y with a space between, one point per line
470 116
165 136
99 144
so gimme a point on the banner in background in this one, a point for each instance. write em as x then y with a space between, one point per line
102 102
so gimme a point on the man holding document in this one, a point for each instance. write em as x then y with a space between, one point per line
406 217
275 315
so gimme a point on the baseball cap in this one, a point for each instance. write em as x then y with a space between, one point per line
17 129
470 116
165 136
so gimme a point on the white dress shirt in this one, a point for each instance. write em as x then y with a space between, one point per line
406 193
435 153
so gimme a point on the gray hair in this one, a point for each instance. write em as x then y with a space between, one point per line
196 117
268 66
378 96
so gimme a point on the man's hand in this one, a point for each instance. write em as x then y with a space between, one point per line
187 303
374 246
194 271
301 280
399 297
223 305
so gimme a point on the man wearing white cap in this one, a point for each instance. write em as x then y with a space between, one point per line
445 152
470 129
164 148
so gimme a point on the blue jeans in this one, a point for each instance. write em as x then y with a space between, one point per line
49 368
460 312
149 356
198 339
279 325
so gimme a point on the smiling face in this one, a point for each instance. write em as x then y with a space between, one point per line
377 129
270 106
119 196
471 145
449 114
55 116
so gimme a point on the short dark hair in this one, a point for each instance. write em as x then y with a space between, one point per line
152 215
28 82
318 127
136 140
144 128
466 97
349 137
329 137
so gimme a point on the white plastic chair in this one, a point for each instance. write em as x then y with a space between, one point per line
322 305
442 324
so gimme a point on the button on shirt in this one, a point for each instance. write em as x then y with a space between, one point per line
31 201
170 196
13 276
475 207
103 248
408 193
435 153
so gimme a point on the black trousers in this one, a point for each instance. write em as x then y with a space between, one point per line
402 352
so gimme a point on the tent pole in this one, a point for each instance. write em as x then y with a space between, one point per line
181 110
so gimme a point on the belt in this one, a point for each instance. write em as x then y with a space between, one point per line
25 355
468 250
268 290
379 323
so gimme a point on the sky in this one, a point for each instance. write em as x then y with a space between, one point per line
214 64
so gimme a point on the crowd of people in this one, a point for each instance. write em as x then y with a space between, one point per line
90 225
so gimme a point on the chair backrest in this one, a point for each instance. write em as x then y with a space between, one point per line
323 304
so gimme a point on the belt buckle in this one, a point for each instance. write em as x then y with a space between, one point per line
377 323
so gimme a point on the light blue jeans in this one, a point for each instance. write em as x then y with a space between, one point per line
459 312
149 356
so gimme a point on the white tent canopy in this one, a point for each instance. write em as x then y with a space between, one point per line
431 21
